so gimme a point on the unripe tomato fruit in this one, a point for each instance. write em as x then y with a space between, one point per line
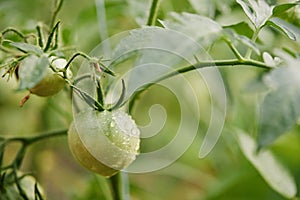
51 84
51 80
104 142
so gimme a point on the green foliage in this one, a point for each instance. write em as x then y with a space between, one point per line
274 173
241 28
27 48
282 26
280 103
32 70
189 24
257 11
261 14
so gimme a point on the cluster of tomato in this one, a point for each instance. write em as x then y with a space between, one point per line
39 69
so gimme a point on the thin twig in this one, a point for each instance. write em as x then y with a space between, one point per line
30 140
234 49
55 12
254 38
203 64
13 30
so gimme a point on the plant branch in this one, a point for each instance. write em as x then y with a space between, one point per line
46 136
26 141
30 140
71 60
203 64
153 12
234 49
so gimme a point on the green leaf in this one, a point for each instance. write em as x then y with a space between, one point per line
200 28
28 48
241 28
211 8
247 10
153 52
280 108
154 44
282 26
203 7
249 43
258 11
88 99
32 70
120 101
271 170
140 10
232 36
280 9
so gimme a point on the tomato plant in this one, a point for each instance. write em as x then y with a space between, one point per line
156 99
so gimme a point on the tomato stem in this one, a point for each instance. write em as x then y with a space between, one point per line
75 56
153 12
253 39
116 186
234 49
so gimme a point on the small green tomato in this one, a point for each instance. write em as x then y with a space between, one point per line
104 142
51 84
50 80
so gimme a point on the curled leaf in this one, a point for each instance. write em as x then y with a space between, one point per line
282 26
27 48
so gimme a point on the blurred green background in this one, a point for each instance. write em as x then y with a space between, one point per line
224 174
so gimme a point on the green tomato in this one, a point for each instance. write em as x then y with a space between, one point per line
104 142
27 183
51 81
51 84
